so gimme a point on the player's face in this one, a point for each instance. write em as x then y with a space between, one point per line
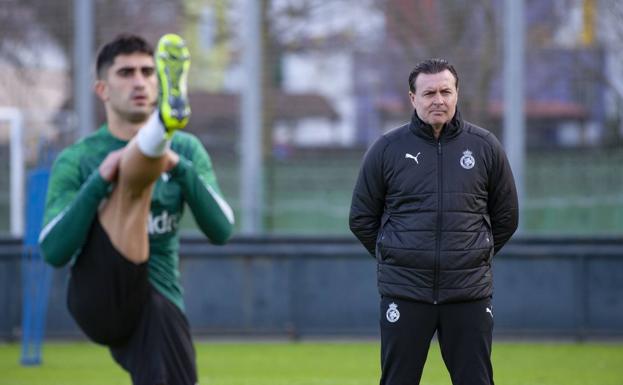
435 97
130 87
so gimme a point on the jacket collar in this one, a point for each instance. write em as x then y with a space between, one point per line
425 130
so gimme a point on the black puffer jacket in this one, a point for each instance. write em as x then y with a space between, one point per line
434 212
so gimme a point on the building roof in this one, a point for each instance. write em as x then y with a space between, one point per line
545 109
285 106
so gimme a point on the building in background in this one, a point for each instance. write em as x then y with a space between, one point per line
564 97
34 79
216 118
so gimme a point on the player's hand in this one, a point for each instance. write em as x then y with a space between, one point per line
171 159
109 169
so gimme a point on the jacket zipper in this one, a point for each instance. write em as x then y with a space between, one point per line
439 210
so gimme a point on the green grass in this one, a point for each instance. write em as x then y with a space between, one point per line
322 364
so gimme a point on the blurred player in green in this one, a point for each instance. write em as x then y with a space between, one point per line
114 204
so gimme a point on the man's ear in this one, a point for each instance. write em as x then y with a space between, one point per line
101 89
412 98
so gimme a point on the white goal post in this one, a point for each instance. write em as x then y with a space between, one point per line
15 120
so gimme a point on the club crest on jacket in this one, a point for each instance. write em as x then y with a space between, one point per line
467 160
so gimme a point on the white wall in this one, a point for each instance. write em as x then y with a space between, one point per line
330 75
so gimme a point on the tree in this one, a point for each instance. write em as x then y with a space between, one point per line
28 24
466 32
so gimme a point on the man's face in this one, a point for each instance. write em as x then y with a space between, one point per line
130 87
435 97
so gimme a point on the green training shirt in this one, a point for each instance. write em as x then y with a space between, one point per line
76 190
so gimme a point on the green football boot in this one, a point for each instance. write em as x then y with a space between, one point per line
172 64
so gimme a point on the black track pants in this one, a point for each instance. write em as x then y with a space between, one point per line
464 331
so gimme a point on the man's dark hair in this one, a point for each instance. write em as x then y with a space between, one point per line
124 44
431 66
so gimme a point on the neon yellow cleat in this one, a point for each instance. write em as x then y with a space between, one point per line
172 64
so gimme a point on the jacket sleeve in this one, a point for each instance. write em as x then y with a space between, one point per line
369 197
503 202
196 177
70 209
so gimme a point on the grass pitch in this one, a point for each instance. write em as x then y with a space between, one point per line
332 363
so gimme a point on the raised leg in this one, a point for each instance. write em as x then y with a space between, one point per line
124 216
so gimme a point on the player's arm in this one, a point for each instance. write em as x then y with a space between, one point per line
71 206
369 197
196 177
503 202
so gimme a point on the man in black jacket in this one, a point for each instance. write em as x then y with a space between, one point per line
435 200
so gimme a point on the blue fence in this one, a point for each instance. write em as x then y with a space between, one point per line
303 287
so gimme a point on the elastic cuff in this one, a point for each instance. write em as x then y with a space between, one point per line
181 167
97 185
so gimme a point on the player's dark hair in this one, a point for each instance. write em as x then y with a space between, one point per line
124 44
431 66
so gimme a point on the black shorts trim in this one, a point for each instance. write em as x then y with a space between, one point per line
106 292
